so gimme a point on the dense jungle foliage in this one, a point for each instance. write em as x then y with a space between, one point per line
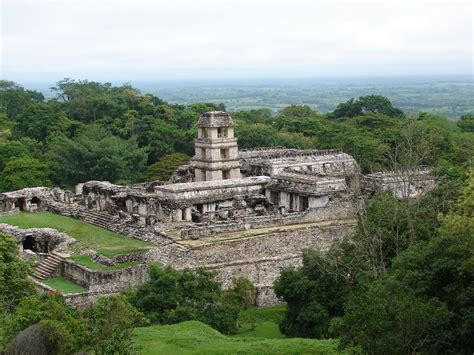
94 131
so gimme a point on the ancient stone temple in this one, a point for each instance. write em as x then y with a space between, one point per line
217 154
244 214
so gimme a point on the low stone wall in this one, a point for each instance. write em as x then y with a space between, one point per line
118 259
334 210
80 300
74 300
104 280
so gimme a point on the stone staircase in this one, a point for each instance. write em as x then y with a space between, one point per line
96 218
47 266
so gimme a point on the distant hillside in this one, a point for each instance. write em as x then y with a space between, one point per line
450 96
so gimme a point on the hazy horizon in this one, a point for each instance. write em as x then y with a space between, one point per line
125 41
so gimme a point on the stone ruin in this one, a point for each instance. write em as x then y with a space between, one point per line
247 213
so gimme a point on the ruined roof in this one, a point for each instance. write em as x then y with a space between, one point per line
27 192
215 119
410 174
283 152
212 185
309 184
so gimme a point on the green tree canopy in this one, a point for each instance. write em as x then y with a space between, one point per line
163 168
366 104
95 154
14 282
173 296
24 172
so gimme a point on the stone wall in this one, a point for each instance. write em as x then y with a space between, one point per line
340 208
104 280
259 258
74 300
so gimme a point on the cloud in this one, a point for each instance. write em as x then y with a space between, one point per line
131 40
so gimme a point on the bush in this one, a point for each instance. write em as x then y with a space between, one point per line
172 296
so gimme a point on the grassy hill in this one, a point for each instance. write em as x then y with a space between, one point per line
197 338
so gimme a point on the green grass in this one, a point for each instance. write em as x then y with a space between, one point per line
106 242
197 338
261 322
63 285
86 261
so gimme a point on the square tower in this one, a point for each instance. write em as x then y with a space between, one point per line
217 153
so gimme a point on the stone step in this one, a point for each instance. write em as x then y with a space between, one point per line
47 266
95 218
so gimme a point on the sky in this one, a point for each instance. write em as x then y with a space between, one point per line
226 39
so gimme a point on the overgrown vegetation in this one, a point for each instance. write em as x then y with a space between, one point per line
94 131
172 296
391 289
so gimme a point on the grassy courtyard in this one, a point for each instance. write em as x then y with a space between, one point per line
86 261
105 242
63 285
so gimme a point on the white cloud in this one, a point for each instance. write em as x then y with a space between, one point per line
128 40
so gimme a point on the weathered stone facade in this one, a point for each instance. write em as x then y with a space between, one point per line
38 240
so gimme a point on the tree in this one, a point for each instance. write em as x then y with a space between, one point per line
50 311
11 150
424 302
14 282
295 111
379 104
37 121
163 168
394 321
366 104
44 338
111 322
349 108
172 296
242 292
14 98
313 293
95 154
466 122
24 172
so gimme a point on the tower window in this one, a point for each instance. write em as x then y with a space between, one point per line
222 132
225 174
224 153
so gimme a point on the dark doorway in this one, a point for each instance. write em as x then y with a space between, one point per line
36 201
304 203
20 204
30 243
275 197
